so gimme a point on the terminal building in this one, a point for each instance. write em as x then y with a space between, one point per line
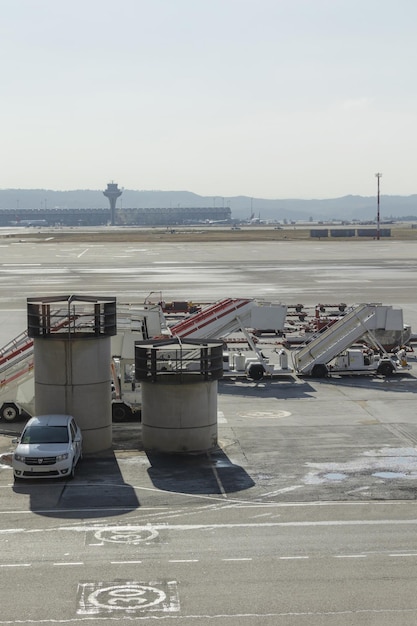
172 216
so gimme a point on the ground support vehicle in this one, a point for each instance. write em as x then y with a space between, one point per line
134 323
365 361
232 315
330 351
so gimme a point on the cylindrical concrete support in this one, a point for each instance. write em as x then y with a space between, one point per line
72 354
179 417
73 376
178 380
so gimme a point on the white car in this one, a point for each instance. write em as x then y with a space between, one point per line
50 446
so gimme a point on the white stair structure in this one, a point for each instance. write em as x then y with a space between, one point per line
230 315
325 346
16 377
17 388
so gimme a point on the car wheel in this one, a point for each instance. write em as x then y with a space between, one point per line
71 475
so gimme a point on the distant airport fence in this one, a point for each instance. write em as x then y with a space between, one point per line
349 232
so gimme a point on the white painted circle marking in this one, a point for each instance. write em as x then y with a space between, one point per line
126 597
266 414
127 535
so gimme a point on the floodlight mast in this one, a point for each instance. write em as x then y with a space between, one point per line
378 175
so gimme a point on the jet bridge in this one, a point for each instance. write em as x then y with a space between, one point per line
362 320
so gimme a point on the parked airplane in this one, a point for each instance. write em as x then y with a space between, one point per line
29 223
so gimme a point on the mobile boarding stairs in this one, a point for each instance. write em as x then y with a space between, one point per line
231 315
16 377
322 355
17 387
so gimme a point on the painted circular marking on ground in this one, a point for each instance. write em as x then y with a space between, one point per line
133 536
127 598
266 414
130 597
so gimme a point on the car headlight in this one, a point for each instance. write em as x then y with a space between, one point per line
62 457
19 457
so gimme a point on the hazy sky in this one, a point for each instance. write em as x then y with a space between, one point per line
265 98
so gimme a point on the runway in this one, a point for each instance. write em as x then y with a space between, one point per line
288 272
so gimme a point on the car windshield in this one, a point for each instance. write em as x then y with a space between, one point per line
45 434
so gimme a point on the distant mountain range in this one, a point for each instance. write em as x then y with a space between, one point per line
242 207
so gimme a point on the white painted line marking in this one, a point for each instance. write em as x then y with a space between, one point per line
219 482
411 554
211 499
15 564
279 491
125 562
221 418
82 253
350 556
242 559
183 560
69 563
224 526
289 558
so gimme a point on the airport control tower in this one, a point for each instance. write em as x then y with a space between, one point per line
112 193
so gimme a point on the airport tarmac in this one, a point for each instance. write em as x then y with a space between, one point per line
287 439
304 514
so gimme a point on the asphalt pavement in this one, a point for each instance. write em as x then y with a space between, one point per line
304 514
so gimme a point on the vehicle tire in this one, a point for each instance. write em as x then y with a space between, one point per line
9 412
319 371
385 369
256 371
71 475
120 412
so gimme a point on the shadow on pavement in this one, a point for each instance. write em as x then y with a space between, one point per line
396 383
266 388
207 473
97 490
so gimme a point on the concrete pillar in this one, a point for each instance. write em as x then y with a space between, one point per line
72 357
179 380
72 376
179 418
